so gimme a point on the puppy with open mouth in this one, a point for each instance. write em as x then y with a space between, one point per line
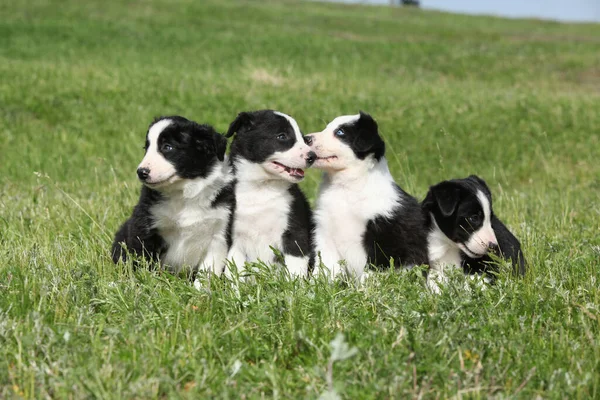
181 217
463 230
268 157
362 216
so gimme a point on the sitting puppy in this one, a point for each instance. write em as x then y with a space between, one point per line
362 216
268 155
181 217
463 229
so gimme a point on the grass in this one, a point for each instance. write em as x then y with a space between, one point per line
514 101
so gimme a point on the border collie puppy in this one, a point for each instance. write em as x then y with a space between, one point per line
268 156
362 216
462 230
181 217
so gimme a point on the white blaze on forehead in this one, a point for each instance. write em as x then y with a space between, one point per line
156 129
487 209
294 125
160 169
295 157
342 120
479 241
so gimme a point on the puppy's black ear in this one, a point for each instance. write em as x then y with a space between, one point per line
242 121
220 145
368 140
447 196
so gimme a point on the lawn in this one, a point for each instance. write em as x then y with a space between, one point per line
514 101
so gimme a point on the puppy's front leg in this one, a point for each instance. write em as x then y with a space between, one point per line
330 260
237 257
437 276
215 258
296 266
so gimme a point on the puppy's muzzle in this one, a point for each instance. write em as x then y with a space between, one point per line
143 173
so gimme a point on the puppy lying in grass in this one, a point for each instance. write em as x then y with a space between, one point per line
463 230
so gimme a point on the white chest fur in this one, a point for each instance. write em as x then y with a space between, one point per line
194 231
260 219
347 201
443 254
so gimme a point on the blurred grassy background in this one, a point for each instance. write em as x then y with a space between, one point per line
514 101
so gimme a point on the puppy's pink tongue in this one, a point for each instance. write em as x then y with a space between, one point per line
297 172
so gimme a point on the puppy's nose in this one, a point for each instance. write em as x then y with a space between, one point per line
308 140
493 246
143 173
311 157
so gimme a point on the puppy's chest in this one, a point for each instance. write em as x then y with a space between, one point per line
344 214
441 251
261 215
185 221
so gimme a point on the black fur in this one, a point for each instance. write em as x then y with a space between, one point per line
362 136
458 214
297 240
259 134
400 238
137 234
226 197
196 149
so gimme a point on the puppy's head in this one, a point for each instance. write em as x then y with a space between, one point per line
462 210
270 144
179 149
347 141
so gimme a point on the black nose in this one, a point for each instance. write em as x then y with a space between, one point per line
311 157
308 140
493 246
143 173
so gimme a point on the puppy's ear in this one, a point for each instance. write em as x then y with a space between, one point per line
243 120
446 196
220 146
368 139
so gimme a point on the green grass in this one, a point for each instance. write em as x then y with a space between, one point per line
516 102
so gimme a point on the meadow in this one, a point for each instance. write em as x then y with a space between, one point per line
514 101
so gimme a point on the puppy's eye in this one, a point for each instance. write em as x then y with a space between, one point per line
281 136
339 132
167 148
474 219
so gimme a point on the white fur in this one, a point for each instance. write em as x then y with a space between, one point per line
261 217
297 266
333 154
194 231
347 200
263 205
294 125
292 158
352 192
478 243
444 253
161 170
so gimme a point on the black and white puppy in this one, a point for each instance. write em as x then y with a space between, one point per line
362 216
180 218
463 230
268 156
